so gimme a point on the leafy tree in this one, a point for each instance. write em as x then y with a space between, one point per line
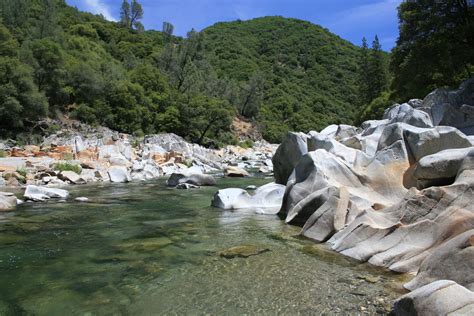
131 14
47 24
434 47
252 95
21 105
47 60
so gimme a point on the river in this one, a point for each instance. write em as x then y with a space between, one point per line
145 249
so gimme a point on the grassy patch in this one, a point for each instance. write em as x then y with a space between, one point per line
3 154
66 166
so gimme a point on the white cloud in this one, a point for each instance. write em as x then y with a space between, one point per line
98 7
376 12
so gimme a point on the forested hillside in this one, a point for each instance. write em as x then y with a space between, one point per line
308 75
282 74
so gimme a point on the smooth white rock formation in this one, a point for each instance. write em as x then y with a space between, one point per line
268 196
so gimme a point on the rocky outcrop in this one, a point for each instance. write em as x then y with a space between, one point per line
108 156
396 192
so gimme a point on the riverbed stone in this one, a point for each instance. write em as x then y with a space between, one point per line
243 251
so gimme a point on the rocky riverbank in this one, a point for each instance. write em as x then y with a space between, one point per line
82 154
396 192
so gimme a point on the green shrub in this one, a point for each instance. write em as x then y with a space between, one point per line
22 172
66 166
248 143
3 154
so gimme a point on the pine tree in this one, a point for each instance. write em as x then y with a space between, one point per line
364 77
378 79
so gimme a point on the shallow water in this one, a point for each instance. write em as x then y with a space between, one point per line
144 249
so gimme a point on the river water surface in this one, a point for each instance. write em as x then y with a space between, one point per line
144 249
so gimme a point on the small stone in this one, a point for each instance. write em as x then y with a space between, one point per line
251 187
81 199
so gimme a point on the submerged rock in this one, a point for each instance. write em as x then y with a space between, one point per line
186 186
244 251
193 179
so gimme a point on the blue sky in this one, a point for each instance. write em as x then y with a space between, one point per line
350 19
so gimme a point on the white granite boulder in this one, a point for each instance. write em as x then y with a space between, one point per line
38 193
267 197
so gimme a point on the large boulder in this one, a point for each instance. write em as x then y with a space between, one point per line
38 193
404 113
267 198
427 141
235 172
118 174
288 154
443 297
71 176
440 168
453 108
194 179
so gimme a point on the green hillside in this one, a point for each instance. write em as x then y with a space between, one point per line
310 74
284 74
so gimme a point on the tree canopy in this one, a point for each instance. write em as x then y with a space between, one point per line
434 48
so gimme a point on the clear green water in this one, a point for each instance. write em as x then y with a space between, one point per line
144 249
